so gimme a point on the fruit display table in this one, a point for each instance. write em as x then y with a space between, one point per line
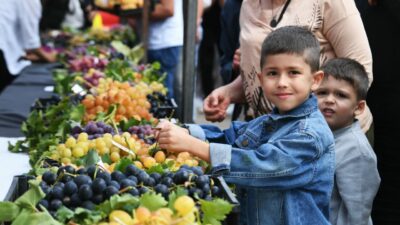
11 164
16 99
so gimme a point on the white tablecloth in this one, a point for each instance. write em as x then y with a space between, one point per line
11 164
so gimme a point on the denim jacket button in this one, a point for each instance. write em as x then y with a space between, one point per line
245 142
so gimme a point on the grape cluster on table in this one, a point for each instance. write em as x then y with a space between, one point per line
93 129
160 105
87 187
144 132
93 79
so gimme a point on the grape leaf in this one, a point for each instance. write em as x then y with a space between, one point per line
152 201
122 164
106 158
117 202
91 158
8 211
156 169
120 47
77 113
215 211
30 198
86 217
63 214
28 217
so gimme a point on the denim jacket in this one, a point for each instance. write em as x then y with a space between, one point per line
282 165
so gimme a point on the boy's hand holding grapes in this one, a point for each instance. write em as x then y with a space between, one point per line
177 139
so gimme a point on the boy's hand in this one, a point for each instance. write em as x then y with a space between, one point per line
172 137
177 139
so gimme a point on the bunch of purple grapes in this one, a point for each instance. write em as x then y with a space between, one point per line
93 129
144 132
93 79
86 62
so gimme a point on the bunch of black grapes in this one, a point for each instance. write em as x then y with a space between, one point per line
87 187
161 106
93 129
192 179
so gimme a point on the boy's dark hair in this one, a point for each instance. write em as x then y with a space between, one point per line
292 40
349 70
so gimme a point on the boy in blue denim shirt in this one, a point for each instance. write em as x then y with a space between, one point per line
282 163
341 97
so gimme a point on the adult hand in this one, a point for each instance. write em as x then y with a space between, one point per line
216 104
50 56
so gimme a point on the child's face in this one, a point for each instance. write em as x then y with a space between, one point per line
287 80
338 102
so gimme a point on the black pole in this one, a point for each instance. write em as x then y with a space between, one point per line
189 50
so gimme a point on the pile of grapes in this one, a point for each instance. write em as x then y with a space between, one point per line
144 132
74 149
185 213
93 129
85 63
92 78
89 186
161 106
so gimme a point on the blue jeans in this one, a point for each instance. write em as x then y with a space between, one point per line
168 58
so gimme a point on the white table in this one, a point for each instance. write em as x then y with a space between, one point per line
11 164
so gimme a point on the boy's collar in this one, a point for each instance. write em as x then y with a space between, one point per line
340 131
307 107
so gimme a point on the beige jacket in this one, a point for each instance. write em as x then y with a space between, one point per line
336 24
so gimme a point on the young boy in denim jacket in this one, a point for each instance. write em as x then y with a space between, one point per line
341 97
282 163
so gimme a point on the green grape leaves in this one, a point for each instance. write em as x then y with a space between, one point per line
8 211
23 211
215 211
152 201
64 214
118 202
122 164
91 158
27 217
30 198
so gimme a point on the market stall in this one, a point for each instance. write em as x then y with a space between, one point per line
86 128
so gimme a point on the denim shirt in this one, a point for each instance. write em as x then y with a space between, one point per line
282 165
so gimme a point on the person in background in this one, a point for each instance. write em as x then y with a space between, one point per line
229 39
75 17
228 44
382 23
281 163
20 40
209 46
166 38
53 14
336 24
341 97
